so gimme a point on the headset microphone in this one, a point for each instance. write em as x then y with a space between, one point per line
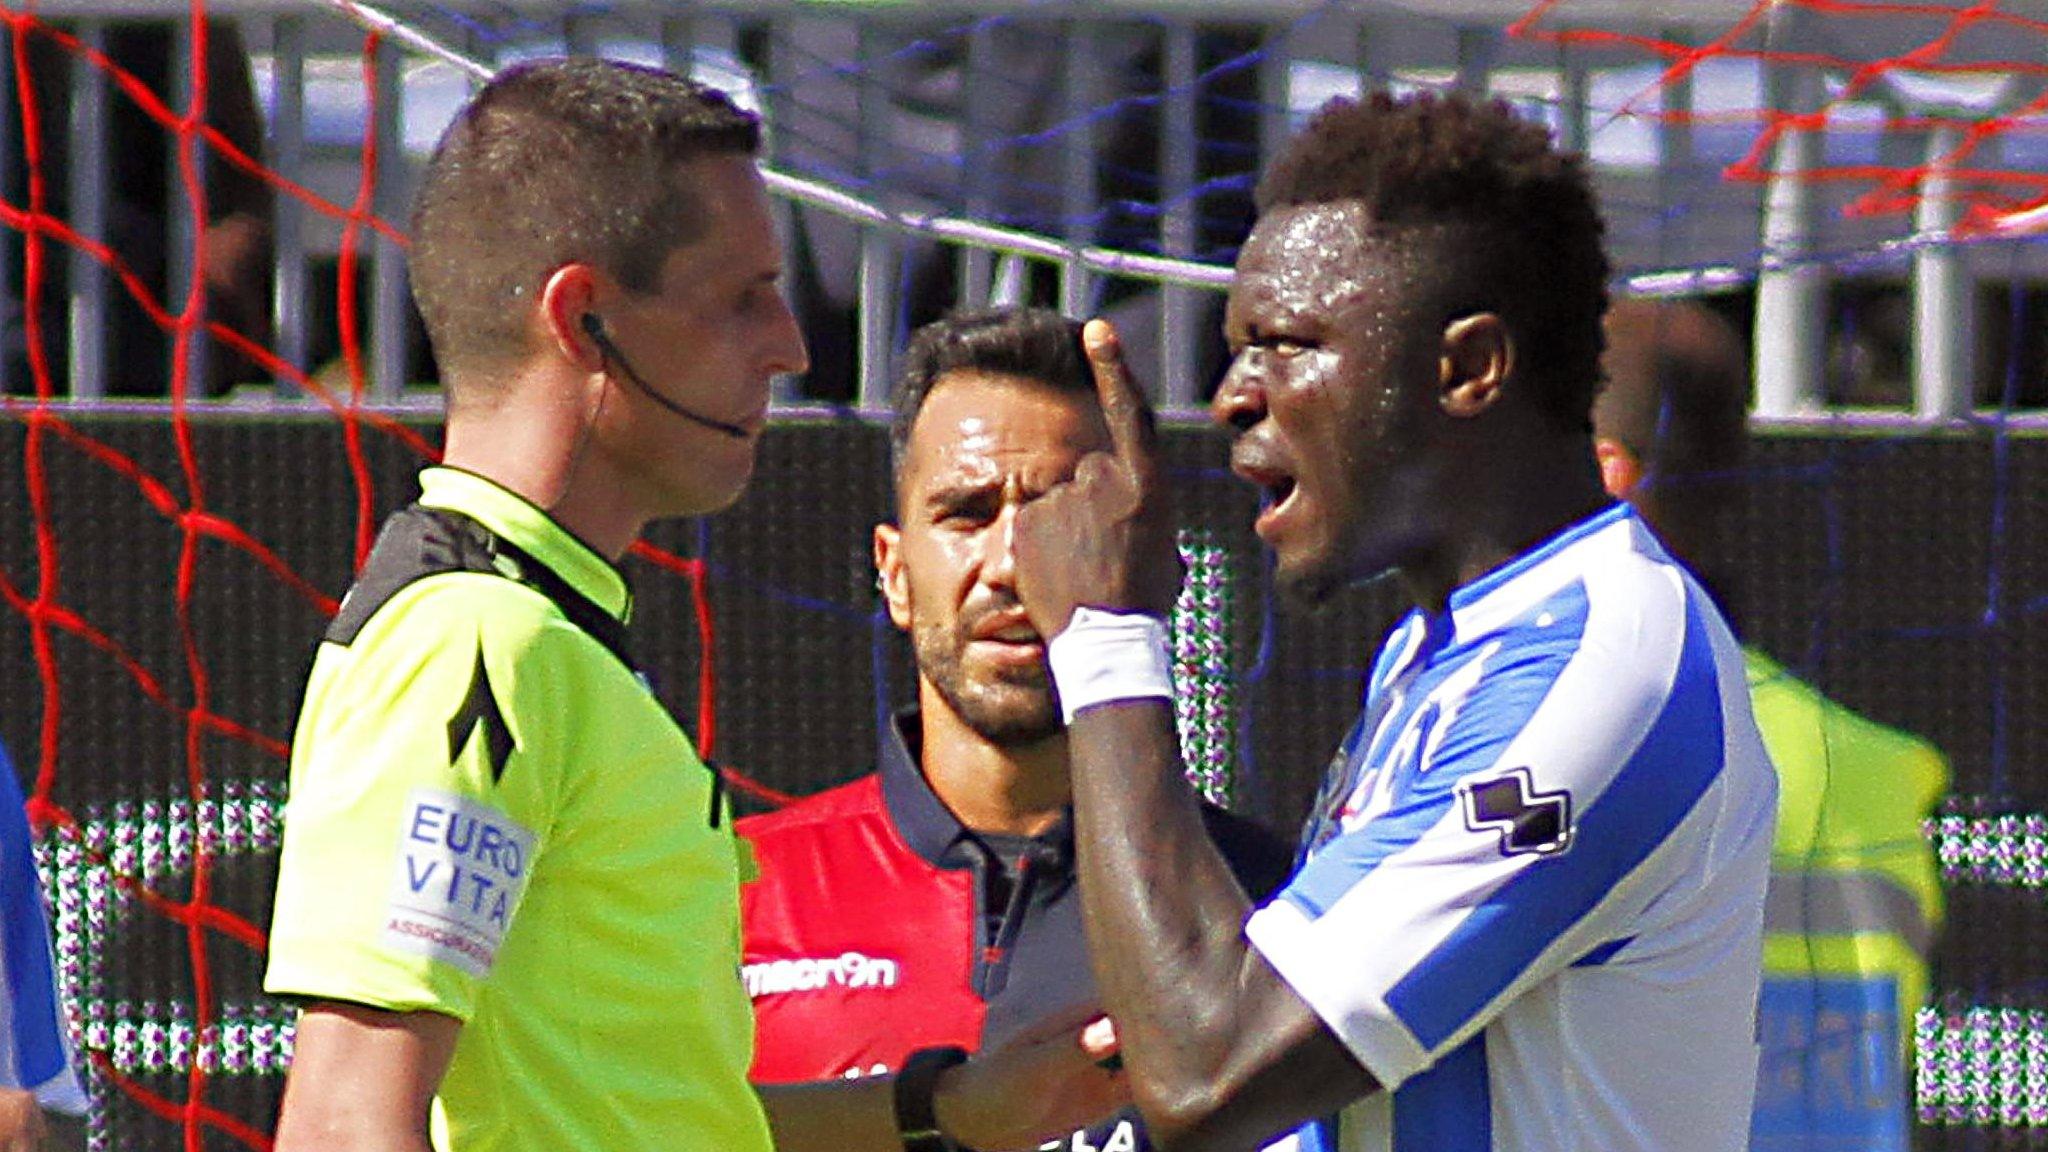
593 326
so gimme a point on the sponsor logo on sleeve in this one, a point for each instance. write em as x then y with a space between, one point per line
1528 821
461 868
850 970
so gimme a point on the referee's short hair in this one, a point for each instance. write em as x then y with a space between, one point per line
1033 343
555 162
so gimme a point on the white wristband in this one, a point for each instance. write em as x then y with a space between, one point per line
1104 657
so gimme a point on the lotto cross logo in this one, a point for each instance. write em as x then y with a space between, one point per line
1527 820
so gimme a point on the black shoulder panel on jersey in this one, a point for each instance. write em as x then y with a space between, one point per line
419 542
414 543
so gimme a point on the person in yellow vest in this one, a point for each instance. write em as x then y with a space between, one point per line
1855 897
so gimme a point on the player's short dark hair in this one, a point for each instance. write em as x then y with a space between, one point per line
556 162
1515 227
1035 343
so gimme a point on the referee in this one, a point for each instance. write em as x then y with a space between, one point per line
508 895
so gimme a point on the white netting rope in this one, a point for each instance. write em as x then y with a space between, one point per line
1690 280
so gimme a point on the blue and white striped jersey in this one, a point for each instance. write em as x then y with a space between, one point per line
35 1047
1532 897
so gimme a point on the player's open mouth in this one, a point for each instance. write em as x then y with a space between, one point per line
1251 461
1279 493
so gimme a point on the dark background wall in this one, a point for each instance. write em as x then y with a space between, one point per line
1904 576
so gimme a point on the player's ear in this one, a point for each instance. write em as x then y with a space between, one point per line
889 576
1477 357
567 296
1620 470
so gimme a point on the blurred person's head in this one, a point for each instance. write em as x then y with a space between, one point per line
992 409
1671 425
1416 328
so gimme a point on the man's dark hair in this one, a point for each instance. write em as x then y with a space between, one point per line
1677 397
1513 226
1034 343
1677 389
556 162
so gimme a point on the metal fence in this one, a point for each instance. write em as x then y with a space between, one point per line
829 81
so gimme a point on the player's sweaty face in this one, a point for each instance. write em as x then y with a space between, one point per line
1330 378
981 448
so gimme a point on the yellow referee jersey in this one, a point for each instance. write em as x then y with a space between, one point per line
491 817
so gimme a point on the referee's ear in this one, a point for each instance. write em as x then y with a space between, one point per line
890 579
566 299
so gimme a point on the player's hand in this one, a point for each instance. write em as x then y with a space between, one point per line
21 1121
1041 1086
1105 537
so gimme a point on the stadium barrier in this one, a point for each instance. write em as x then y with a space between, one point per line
1864 563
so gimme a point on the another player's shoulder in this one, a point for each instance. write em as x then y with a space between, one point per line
830 853
428 578
1611 578
1260 859
1598 625
427 566
1635 605
1806 730
821 814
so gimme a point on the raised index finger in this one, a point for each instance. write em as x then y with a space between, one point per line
1134 439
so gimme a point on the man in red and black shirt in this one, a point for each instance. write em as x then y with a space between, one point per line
932 903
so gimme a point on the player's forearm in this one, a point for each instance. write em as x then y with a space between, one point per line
1163 911
346 1136
313 1120
21 1121
860 1116
835 1115
1015 1097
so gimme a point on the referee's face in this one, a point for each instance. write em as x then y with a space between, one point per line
699 351
982 447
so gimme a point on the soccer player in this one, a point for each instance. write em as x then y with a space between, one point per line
1530 907
932 902
508 894
1855 899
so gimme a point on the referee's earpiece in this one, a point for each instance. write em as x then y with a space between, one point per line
593 327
